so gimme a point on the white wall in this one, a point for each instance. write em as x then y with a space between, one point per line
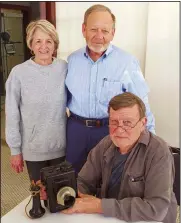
131 26
162 68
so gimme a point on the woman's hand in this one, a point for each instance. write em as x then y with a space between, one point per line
43 194
17 163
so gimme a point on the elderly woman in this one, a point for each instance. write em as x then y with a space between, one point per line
36 104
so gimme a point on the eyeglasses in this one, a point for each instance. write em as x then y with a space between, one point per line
127 125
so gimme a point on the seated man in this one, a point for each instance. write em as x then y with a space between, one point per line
131 171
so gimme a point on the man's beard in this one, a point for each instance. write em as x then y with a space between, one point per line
97 49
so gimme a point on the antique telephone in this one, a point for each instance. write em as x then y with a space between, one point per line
61 188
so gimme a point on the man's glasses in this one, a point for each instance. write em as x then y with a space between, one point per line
127 125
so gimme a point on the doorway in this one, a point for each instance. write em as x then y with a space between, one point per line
12 41
13 20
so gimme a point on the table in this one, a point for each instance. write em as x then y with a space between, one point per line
18 215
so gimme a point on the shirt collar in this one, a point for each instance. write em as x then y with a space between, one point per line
109 49
143 139
107 52
32 62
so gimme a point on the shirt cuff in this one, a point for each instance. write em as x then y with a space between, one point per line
107 207
15 151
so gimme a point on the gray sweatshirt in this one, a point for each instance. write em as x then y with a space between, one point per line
36 110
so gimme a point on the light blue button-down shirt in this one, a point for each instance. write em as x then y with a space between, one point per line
92 84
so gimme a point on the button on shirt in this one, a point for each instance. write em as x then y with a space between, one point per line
92 84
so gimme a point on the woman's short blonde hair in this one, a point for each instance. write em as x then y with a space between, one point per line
46 27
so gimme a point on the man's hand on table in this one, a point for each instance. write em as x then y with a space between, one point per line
85 204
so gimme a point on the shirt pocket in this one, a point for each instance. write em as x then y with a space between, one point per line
109 89
136 185
47 138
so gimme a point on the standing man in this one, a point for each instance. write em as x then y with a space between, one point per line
96 73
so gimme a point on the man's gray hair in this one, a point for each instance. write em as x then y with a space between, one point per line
99 8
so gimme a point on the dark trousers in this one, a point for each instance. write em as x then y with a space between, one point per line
80 140
34 167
